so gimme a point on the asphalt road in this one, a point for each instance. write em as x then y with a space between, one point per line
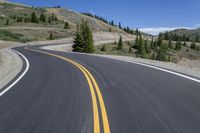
54 97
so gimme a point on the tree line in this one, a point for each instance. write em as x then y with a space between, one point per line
112 23
34 18
174 37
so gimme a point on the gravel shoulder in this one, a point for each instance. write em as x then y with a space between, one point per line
10 65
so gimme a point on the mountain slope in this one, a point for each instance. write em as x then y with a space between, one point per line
13 25
191 34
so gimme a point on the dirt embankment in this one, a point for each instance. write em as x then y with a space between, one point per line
99 38
10 65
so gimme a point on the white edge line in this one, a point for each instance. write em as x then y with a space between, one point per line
147 65
162 69
21 76
143 64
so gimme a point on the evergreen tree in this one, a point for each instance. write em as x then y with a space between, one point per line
198 48
147 47
193 46
169 58
51 37
160 40
42 18
55 18
152 43
49 19
34 18
83 40
103 48
120 25
161 56
197 38
141 49
7 22
153 56
52 16
170 44
120 43
137 32
112 23
137 39
66 26
130 49
185 44
78 41
19 19
178 46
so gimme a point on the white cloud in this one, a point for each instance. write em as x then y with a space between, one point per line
156 31
197 25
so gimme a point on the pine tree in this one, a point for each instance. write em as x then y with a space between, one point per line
178 46
185 44
193 46
87 37
34 18
130 49
120 25
137 40
169 58
103 48
83 40
66 26
141 49
170 44
120 43
152 43
52 16
49 19
160 40
161 56
153 56
7 22
112 23
78 41
137 32
197 38
55 18
42 18
51 36
198 48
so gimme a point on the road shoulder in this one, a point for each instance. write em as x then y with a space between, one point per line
10 66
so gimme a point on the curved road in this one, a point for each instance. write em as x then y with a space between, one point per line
55 96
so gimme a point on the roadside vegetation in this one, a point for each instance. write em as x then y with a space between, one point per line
22 23
154 49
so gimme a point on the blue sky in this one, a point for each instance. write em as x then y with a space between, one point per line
151 16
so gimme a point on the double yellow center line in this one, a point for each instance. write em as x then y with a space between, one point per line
93 87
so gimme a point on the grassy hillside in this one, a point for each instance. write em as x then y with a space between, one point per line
184 35
161 50
16 25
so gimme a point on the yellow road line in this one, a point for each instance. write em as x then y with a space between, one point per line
89 76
